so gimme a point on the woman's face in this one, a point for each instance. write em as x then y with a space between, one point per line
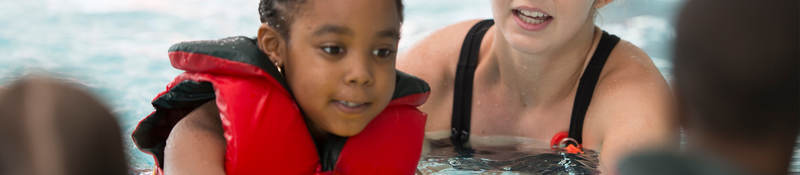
340 61
536 26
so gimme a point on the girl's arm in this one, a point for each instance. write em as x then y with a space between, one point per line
196 145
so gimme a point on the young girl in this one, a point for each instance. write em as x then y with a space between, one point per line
532 73
354 113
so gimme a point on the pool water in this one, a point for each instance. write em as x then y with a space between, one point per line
117 49
507 160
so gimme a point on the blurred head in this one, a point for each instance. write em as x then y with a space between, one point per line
736 78
48 127
338 57
736 67
536 26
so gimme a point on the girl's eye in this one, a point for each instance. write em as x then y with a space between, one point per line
332 50
382 53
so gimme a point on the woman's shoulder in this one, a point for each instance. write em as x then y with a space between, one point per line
448 39
630 65
631 78
632 105
434 58
631 88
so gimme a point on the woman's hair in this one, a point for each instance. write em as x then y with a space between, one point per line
278 14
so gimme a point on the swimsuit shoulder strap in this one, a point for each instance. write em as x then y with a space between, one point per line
468 61
587 84
462 90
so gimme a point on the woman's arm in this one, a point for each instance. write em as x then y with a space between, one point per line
196 145
632 109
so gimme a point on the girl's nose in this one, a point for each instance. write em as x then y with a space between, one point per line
360 72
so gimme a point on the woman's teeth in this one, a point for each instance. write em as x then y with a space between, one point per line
533 17
533 14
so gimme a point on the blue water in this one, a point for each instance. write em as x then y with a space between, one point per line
118 48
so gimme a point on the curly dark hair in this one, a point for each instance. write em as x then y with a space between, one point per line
278 13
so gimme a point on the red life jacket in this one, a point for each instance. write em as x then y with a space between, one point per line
264 128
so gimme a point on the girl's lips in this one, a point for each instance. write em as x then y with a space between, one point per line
531 19
351 107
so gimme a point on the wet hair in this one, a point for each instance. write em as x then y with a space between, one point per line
736 68
278 14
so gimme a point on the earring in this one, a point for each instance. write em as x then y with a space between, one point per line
279 67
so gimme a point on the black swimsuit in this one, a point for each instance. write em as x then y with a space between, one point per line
468 61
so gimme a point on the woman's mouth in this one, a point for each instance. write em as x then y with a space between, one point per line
531 19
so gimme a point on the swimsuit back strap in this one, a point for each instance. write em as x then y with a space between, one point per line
462 90
587 84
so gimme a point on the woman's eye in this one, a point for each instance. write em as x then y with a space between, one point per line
383 53
332 50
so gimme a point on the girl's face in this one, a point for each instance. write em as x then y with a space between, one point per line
535 26
340 61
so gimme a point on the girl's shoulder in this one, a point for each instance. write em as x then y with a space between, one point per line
196 140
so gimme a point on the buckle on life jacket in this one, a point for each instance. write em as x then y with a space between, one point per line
561 141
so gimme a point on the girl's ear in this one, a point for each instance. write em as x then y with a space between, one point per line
272 43
601 3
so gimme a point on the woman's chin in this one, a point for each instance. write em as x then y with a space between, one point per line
526 43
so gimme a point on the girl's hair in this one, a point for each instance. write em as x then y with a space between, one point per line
278 13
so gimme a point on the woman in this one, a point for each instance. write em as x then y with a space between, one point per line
533 72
